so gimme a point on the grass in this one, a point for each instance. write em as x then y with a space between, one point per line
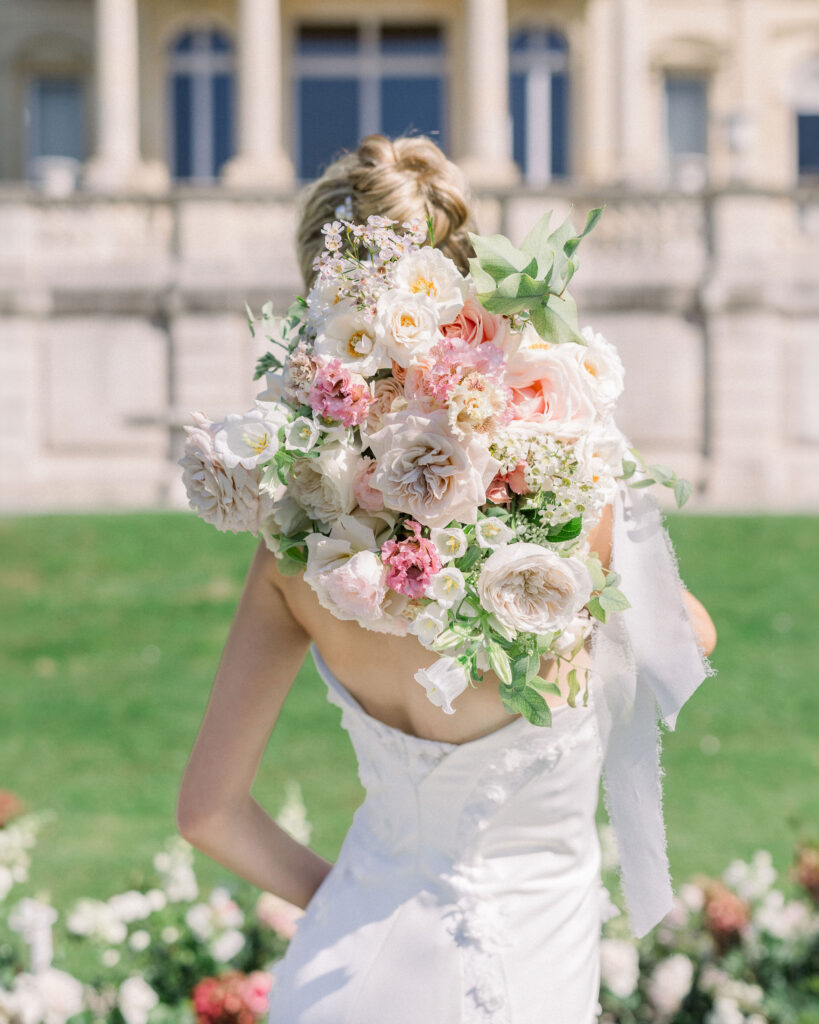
111 627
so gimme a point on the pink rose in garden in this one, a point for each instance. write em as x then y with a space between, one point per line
278 914
339 395
806 870
411 563
475 325
232 998
726 914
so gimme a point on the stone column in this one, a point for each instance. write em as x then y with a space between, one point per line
632 84
261 160
117 164
598 106
488 157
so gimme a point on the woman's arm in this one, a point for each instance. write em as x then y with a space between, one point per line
701 622
215 811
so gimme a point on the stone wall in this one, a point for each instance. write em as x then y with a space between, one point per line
120 316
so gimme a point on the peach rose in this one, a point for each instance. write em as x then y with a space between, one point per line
474 325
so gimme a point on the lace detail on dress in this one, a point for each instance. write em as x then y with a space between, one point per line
477 924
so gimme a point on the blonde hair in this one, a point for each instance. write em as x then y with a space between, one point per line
402 179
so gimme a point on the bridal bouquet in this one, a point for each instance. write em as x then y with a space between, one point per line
433 450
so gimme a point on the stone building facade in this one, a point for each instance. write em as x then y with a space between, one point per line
150 151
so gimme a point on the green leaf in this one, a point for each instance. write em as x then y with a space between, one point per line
556 327
484 284
574 688
612 578
520 670
566 531
596 609
613 600
682 491
499 662
640 484
660 473
251 319
527 702
595 568
498 257
628 468
543 642
546 686
465 562
536 244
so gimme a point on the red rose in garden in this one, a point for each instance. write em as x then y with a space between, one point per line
232 998
726 915
10 807
806 870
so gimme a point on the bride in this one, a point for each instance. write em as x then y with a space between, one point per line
468 887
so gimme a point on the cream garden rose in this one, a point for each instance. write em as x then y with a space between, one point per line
406 325
532 589
427 272
324 486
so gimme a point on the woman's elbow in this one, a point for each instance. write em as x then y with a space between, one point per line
701 622
195 819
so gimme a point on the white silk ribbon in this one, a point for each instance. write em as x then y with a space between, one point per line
647 663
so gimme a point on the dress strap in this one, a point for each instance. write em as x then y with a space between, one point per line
648 662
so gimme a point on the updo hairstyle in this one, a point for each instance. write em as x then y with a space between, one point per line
402 179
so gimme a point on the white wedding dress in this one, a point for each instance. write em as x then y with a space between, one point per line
468 890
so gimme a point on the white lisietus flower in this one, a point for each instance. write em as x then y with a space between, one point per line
428 272
447 587
493 533
533 590
302 434
246 439
429 623
350 337
228 498
443 681
451 543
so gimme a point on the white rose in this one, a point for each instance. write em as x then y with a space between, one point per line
428 272
248 438
229 499
199 918
670 983
601 361
493 533
533 590
619 966
324 297
227 945
424 470
578 629
323 486
406 325
351 337
136 999
346 573
443 681
447 587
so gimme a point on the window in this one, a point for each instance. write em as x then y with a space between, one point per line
201 105
57 119
807 126
539 101
351 80
686 99
805 91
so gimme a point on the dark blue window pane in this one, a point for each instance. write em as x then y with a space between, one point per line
413 106
222 120
219 43
687 105
517 105
328 39
184 44
60 122
808 135
411 39
182 118
519 41
536 41
556 41
560 124
328 121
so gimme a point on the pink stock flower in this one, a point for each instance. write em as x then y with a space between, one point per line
339 395
455 361
475 325
411 563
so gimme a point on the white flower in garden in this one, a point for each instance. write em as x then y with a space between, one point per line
139 940
351 337
406 325
323 486
136 999
199 918
246 439
94 919
670 983
175 868
532 589
33 919
429 623
280 915
447 586
226 911
157 900
130 906
169 934
725 1011
751 881
609 852
302 434
423 469
692 896
785 920
443 681
493 533
601 361
292 816
451 543
225 946
619 966
110 957
47 997
229 499
428 272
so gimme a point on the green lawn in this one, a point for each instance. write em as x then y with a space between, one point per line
112 627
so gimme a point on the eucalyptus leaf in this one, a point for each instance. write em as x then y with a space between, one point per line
536 244
498 257
682 491
613 600
628 468
596 609
595 568
574 688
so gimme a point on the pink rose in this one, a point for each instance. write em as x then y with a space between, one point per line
369 498
256 990
550 391
497 492
474 325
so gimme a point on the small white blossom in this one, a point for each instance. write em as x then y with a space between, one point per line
450 543
139 940
443 681
447 586
429 624
493 533
136 999
301 435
